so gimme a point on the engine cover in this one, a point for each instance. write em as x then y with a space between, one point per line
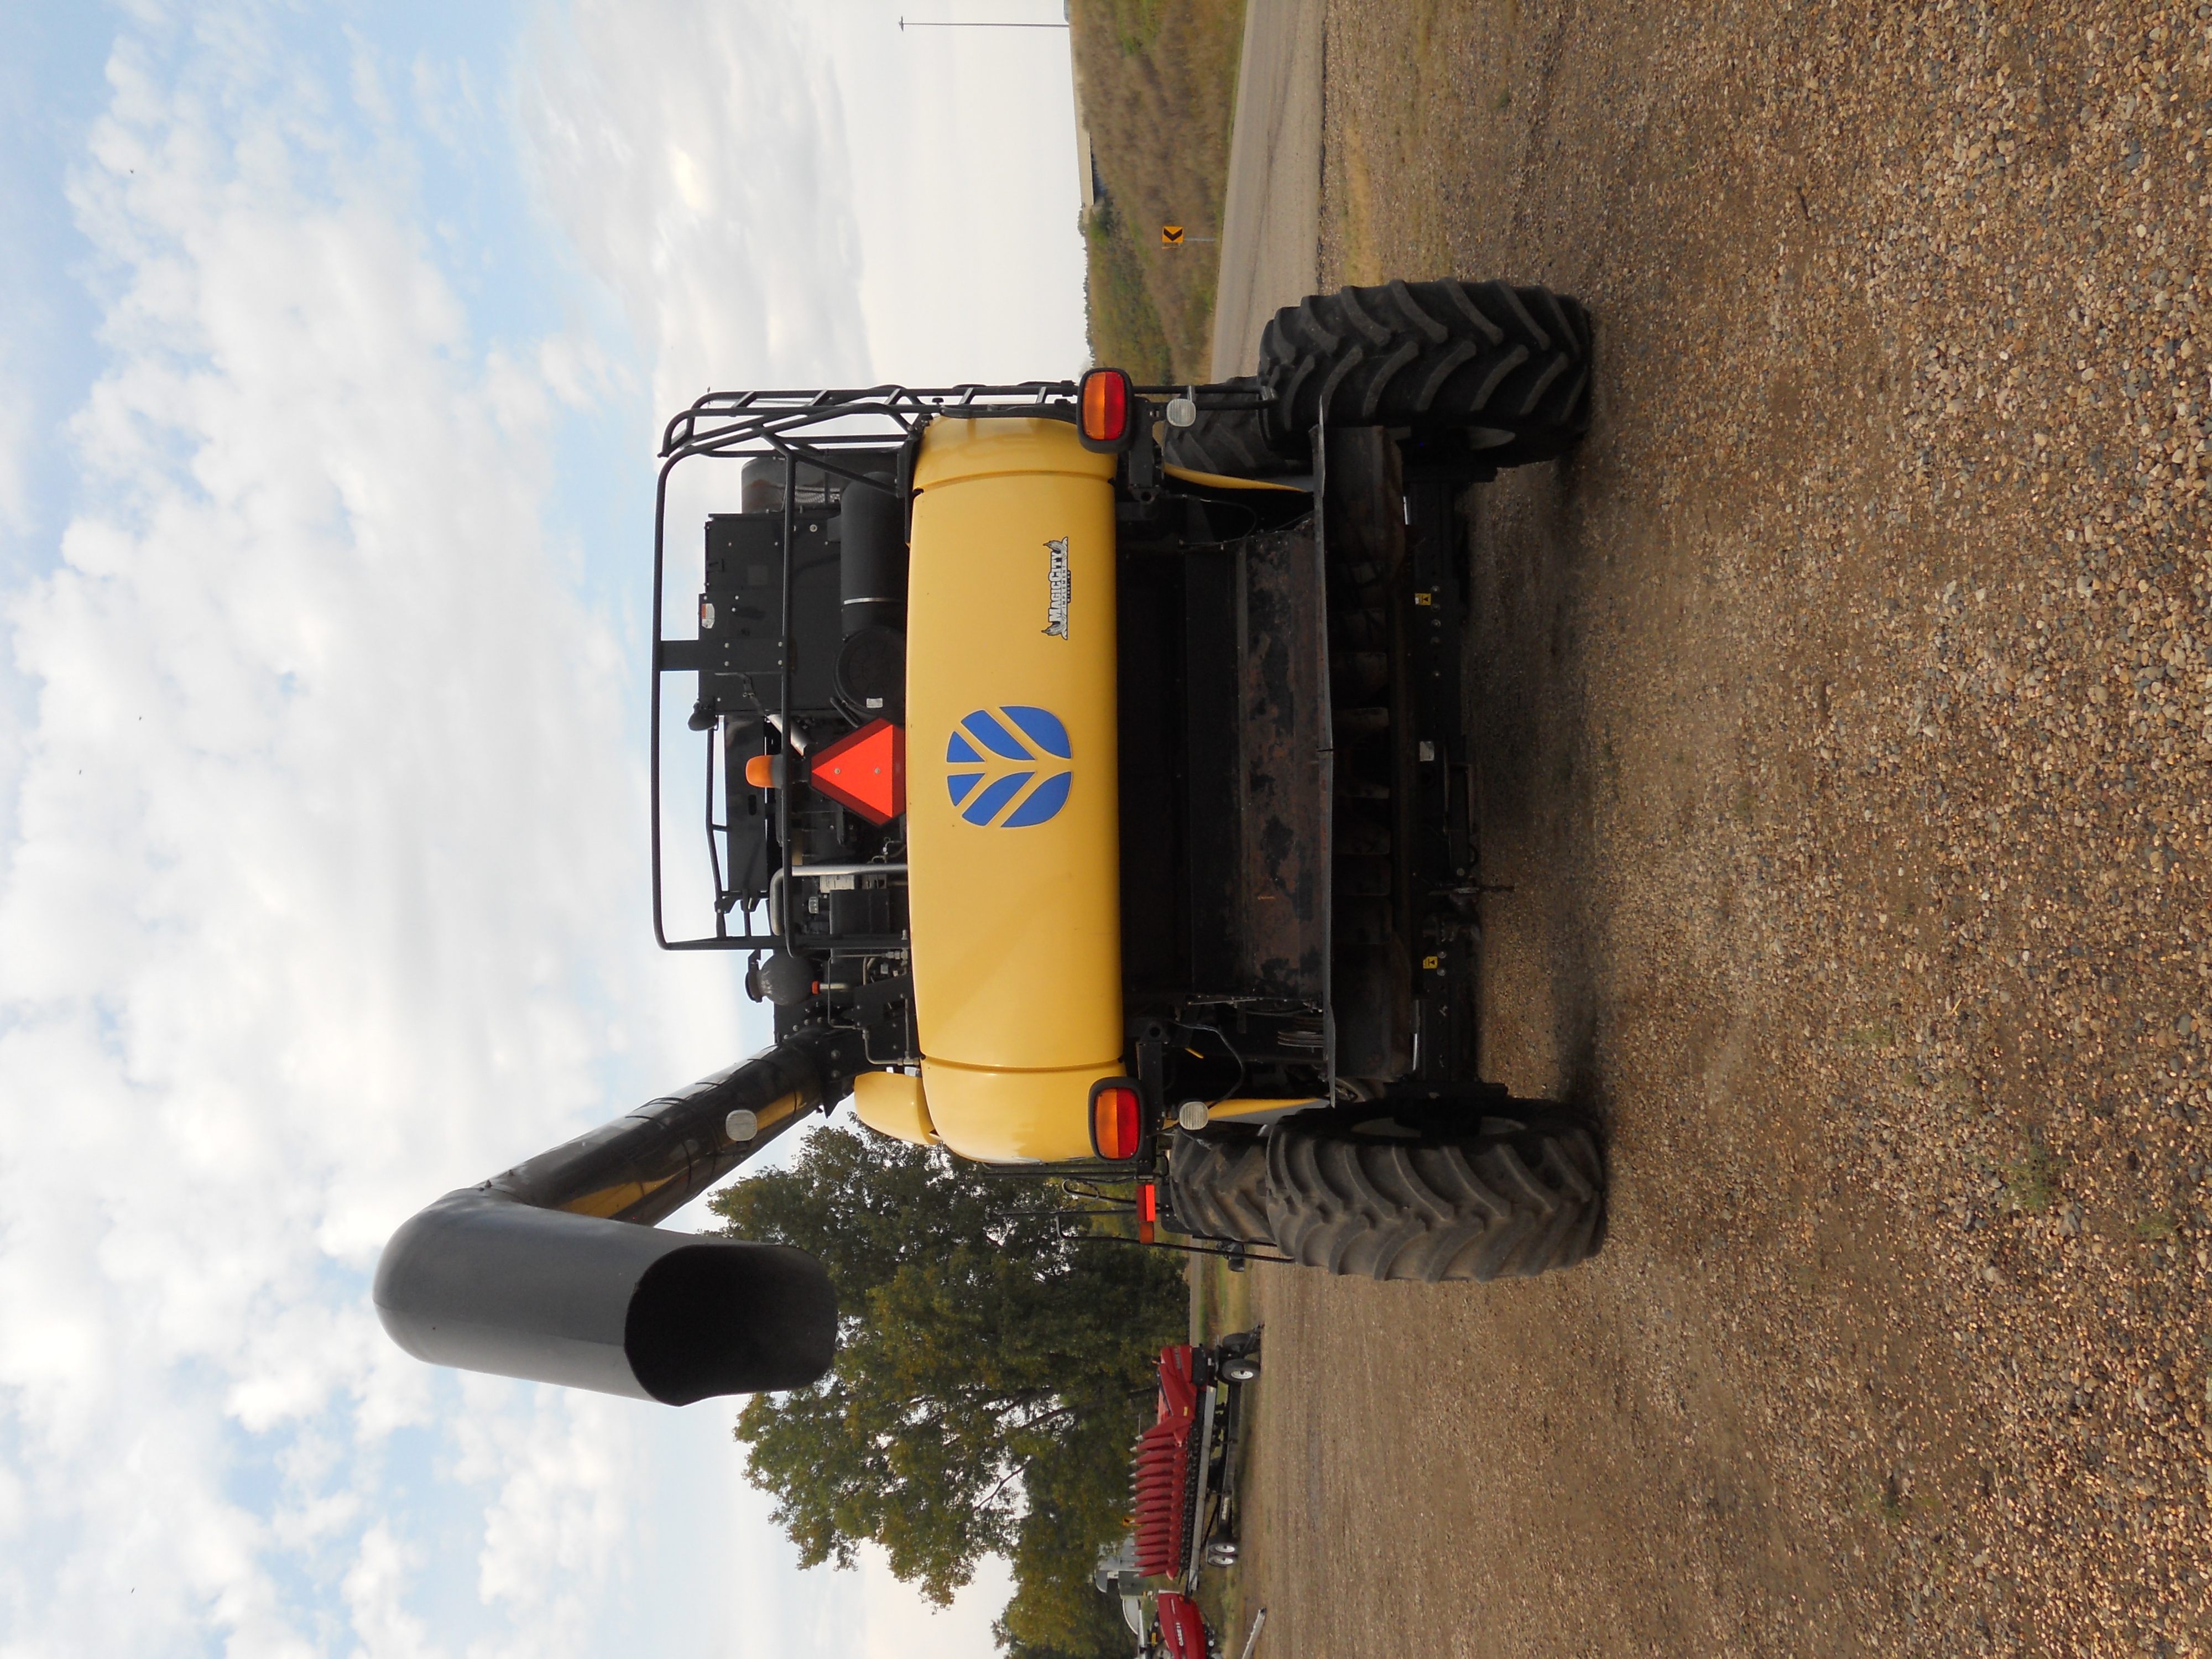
1013 805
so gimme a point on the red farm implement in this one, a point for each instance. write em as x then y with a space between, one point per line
1185 1464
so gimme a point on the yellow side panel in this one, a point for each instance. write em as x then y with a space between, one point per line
1013 1117
1012 815
953 450
891 1103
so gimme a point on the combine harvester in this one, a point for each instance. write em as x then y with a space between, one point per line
1088 788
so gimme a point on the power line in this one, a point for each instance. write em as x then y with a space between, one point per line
904 25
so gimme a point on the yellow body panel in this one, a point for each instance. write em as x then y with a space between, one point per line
1012 809
1013 1117
891 1103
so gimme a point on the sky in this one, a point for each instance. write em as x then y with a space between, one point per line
335 342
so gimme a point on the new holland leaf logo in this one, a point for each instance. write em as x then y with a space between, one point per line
1007 766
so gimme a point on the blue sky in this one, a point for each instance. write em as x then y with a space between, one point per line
336 342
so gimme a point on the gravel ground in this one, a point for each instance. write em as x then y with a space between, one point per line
1845 740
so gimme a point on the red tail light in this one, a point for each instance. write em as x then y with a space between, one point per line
1117 1119
1104 411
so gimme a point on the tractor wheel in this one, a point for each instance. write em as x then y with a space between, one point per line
1510 365
1391 1199
1217 1184
1230 442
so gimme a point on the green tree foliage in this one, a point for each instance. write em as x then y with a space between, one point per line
1078 1499
989 1379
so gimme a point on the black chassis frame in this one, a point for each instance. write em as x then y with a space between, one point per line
1385 533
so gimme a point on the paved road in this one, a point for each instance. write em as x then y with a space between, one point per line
1271 215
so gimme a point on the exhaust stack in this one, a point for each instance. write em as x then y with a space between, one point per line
554 1271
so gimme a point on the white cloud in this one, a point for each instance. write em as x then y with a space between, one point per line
809 196
696 156
323 888
375 1586
28 113
964 188
324 898
15 414
562 1515
893 1629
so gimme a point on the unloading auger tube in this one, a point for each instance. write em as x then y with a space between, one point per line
555 1271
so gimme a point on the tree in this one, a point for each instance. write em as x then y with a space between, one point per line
1077 1500
989 1378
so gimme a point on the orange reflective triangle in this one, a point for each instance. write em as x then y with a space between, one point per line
865 771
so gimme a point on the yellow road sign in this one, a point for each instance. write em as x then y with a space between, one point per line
1170 234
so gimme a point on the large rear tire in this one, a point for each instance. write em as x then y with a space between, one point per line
1510 365
1389 1200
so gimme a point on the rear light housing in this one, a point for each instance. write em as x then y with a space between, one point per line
1117 1119
1106 411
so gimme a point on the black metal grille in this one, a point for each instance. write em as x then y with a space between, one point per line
825 429
828 430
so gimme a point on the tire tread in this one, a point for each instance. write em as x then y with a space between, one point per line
1428 354
1477 1207
1218 1186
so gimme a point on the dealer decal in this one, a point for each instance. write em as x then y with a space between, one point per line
1057 585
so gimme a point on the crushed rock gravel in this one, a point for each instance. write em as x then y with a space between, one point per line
1845 745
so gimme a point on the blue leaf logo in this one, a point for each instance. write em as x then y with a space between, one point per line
1005 769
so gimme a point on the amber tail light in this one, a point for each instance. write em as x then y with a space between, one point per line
1107 403
1117 1119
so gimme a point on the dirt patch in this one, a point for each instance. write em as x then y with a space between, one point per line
1843 726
